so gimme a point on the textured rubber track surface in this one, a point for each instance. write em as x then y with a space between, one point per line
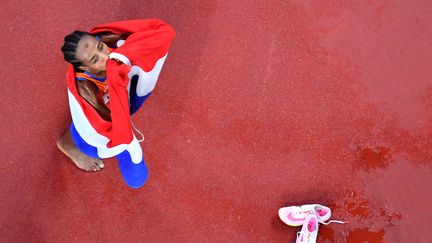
260 105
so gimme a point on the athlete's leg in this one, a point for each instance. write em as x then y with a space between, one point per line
132 168
66 144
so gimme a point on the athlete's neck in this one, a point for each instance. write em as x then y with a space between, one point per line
101 74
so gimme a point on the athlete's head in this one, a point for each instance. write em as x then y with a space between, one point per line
85 52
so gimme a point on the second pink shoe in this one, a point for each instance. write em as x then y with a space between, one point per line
309 231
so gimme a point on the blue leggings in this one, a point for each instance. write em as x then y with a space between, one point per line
134 174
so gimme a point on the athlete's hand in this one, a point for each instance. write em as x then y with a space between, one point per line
109 38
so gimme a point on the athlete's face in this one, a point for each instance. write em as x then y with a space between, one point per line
92 53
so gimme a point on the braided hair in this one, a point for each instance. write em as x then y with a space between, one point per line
69 48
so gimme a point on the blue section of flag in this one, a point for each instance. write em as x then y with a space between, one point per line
81 144
135 100
135 175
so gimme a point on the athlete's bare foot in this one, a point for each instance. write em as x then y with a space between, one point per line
82 161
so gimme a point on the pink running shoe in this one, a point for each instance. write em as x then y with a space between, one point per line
309 231
296 215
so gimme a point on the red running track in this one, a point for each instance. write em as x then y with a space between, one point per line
261 104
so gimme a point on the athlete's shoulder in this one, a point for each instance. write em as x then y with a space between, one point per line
86 89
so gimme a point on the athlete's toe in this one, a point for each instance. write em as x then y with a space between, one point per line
95 167
100 163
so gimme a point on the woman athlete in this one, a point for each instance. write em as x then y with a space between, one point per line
123 64
88 54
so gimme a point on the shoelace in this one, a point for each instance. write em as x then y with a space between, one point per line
333 221
138 131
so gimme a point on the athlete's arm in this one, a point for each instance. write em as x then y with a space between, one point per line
88 91
110 38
